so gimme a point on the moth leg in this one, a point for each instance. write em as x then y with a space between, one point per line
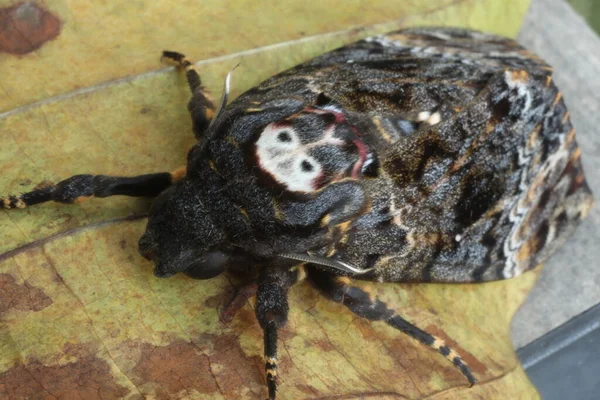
238 300
78 188
272 313
363 304
201 105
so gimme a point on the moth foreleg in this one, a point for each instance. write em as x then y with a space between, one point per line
363 304
79 188
272 313
201 105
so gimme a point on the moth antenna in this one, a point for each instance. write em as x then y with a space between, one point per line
327 262
224 96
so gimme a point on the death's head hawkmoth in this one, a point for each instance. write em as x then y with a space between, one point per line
425 155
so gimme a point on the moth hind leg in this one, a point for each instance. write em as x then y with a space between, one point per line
363 304
272 312
201 105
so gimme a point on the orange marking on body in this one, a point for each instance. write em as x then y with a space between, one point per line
548 80
244 212
557 98
566 117
579 179
384 261
6 203
279 215
344 226
368 289
386 136
398 38
534 136
209 113
571 135
498 207
429 238
325 220
456 166
519 76
526 250
452 355
301 272
344 280
575 155
178 174
81 199
466 156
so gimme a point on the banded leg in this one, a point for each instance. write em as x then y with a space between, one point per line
272 313
201 105
340 290
79 188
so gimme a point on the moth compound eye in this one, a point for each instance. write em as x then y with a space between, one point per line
209 266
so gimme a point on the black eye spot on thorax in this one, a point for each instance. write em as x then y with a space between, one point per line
306 166
284 136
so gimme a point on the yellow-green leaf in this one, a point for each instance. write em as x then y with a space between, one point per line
82 314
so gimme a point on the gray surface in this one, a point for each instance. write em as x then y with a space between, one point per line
564 363
570 281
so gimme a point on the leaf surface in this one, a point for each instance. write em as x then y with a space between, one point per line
81 313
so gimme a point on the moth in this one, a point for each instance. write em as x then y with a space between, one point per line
424 155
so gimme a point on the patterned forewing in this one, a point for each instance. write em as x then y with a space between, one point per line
485 190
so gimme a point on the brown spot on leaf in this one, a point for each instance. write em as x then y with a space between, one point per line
182 366
21 297
25 27
236 370
174 368
87 378
324 345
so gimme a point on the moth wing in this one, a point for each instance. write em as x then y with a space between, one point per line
499 185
